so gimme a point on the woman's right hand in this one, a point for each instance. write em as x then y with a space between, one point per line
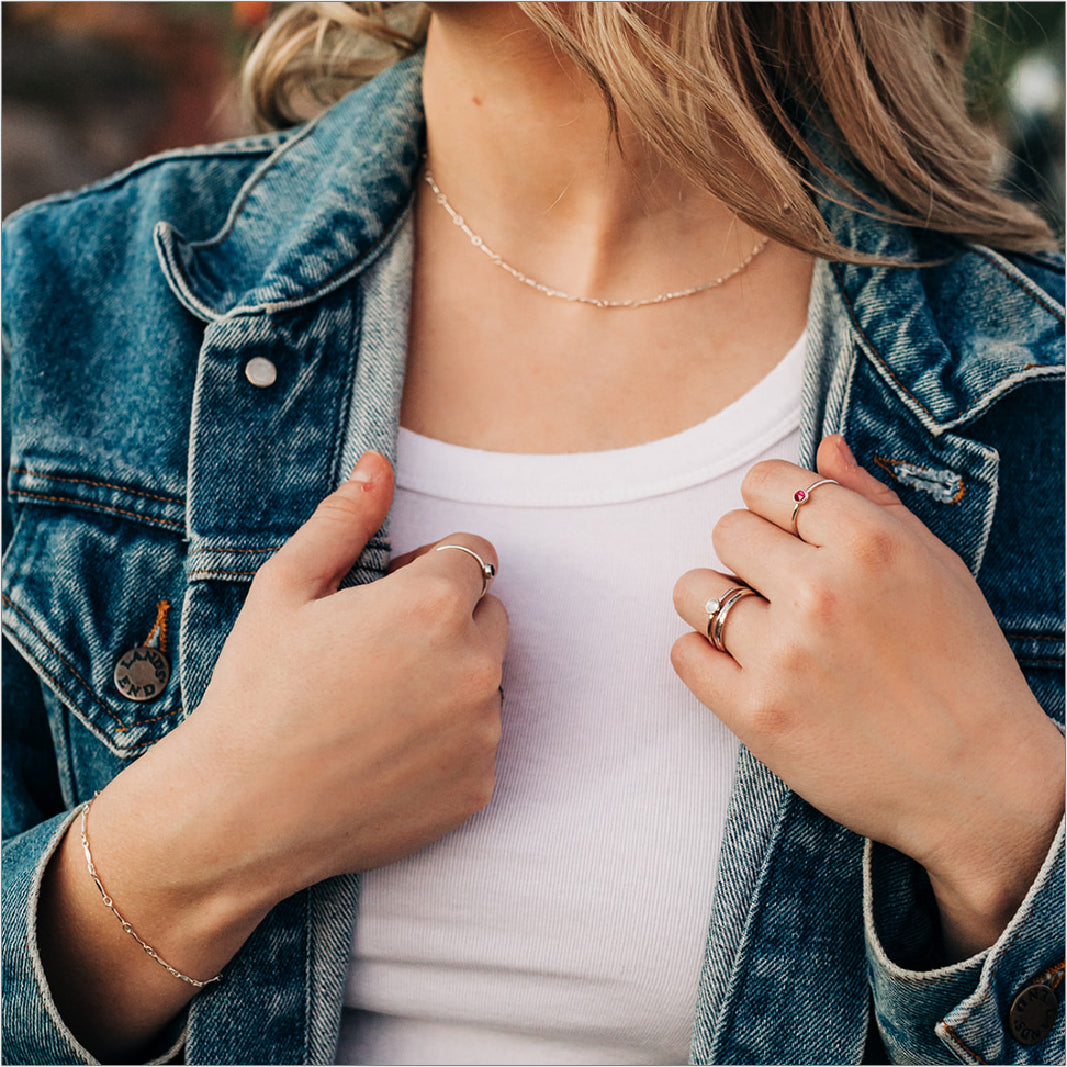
350 728
341 731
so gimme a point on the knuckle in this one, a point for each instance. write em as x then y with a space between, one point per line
816 601
270 578
728 525
684 650
342 505
768 716
438 600
491 732
874 546
681 588
482 677
479 793
758 477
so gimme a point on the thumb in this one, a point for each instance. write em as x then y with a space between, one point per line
835 460
315 559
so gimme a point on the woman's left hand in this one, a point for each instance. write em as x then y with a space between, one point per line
875 681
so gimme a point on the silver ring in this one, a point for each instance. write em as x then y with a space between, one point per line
715 604
488 570
724 611
802 496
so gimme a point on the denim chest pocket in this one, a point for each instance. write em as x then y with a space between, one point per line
92 593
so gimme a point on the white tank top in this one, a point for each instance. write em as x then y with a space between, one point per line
567 922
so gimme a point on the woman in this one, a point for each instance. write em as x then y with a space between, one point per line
791 212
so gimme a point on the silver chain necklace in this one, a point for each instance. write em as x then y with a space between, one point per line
559 294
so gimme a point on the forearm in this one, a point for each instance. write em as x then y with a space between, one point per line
112 995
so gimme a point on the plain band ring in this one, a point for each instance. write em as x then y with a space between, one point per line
724 611
715 604
488 570
802 496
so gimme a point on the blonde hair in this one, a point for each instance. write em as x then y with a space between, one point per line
881 83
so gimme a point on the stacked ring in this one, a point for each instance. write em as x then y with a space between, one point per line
718 608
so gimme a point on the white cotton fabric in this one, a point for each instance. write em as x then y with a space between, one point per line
566 923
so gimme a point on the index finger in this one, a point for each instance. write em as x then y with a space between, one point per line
796 500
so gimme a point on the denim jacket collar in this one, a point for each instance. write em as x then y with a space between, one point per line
314 214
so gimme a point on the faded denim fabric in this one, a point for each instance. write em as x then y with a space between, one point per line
145 468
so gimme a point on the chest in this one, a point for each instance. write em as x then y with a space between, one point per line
497 365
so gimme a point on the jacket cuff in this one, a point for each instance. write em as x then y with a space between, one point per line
961 1013
33 1030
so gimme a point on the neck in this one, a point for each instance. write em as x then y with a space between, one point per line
519 140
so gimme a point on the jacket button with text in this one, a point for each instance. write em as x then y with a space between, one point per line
1033 1014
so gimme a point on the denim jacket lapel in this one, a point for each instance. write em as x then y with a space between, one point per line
789 878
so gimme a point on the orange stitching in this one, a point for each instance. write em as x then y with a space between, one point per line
91 504
29 622
1053 976
92 696
160 626
888 464
13 637
970 1052
102 485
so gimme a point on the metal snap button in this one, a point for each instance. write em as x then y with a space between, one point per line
142 673
1033 1014
261 372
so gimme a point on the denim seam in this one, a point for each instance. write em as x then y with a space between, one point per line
115 181
931 422
220 574
998 952
120 726
898 973
961 1043
374 542
221 551
32 944
38 966
103 485
1039 297
179 285
271 160
92 505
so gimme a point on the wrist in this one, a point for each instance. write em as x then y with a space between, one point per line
996 850
173 866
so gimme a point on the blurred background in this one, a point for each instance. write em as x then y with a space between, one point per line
91 87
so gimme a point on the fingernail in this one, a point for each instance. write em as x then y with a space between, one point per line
362 471
846 452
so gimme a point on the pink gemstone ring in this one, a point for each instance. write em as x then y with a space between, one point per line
802 496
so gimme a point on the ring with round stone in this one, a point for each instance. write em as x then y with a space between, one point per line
488 570
802 496
715 604
726 604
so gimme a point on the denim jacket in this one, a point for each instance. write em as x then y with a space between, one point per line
145 468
